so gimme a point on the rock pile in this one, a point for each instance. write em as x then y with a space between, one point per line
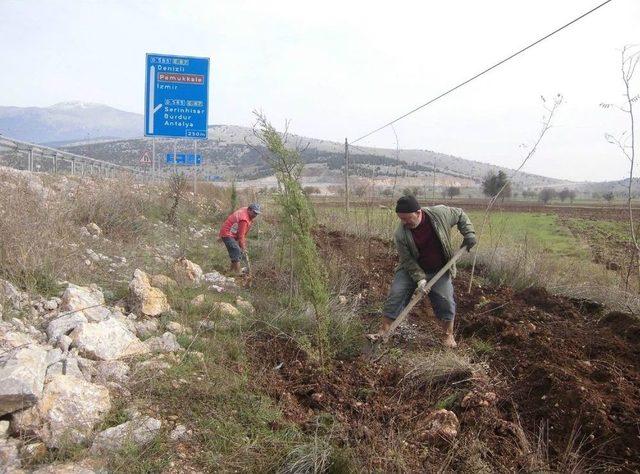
62 362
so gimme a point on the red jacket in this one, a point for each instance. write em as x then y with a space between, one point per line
237 226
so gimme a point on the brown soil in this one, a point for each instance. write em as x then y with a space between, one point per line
560 367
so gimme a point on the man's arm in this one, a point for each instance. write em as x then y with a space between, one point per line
243 227
407 261
460 219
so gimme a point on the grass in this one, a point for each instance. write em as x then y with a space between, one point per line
545 232
542 231
520 249
232 421
481 347
236 425
448 402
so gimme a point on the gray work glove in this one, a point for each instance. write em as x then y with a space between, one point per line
469 241
422 284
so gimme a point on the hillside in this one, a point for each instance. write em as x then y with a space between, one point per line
232 151
68 122
110 134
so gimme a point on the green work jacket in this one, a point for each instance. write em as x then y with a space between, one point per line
443 219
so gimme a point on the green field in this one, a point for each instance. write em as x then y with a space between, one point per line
545 232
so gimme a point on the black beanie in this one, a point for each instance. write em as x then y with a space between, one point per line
407 204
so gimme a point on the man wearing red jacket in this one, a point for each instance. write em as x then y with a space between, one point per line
234 233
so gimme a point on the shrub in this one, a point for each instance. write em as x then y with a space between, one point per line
36 239
116 207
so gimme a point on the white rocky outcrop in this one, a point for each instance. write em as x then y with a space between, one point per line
217 281
197 301
176 328
60 363
140 432
10 454
87 301
106 340
12 295
22 373
64 325
162 281
67 413
225 310
187 272
146 299
165 343
111 371
94 229
179 433
147 328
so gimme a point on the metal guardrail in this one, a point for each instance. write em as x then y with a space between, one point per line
79 164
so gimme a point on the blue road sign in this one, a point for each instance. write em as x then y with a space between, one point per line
176 96
184 159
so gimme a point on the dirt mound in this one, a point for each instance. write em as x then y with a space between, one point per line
557 367
624 325
578 377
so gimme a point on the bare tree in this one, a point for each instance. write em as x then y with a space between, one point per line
546 125
630 57
177 190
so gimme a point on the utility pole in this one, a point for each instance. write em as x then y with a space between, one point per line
346 174
433 191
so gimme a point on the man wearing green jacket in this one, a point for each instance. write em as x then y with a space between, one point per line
423 242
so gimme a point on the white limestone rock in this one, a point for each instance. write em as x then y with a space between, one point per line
166 343
187 272
139 432
106 340
146 299
63 325
67 413
88 301
22 372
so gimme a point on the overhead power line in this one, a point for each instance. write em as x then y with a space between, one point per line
485 71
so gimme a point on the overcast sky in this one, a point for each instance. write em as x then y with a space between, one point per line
342 68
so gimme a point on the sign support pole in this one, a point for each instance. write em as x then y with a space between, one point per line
195 167
175 156
153 157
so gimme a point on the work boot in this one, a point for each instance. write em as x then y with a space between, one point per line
235 268
384 328
448 340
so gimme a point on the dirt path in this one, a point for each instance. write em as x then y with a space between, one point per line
566 371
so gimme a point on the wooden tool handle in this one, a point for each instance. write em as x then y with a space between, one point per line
417 296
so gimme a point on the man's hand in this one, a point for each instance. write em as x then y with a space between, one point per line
469 241
422 284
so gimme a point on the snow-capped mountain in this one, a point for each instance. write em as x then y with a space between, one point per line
69 122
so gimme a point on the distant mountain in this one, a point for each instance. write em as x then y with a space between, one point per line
234 151
110 134
69 122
